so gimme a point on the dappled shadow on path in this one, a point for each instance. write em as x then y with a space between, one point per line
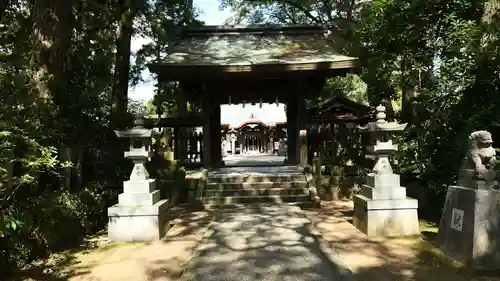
263 242
98 259
398 259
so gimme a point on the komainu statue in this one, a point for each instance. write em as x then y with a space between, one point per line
479 161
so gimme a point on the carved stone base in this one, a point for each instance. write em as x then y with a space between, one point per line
382 181
390 193
469 230
386 217
139 193
138 223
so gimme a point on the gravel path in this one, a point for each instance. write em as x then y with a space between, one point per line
273 242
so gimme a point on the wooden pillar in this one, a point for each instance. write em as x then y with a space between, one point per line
207 146
233 144
241 140
302 151
215 135
292 130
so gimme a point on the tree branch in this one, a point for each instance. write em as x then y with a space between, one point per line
4 5
327 10
303 10
289 15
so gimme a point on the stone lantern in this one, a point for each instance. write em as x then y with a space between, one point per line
382 208
140 214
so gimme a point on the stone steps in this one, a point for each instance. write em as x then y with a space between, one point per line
246 188
257 192
245 178
256 199
255 185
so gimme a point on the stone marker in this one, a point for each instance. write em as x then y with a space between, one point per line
382 208
469 230
140 215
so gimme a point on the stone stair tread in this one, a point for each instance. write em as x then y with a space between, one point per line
257 182
255 174
263 196
257 188
256 198
279 191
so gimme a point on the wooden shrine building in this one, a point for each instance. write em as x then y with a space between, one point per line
252 136
224 64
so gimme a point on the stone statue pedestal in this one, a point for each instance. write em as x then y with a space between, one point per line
383 209
469 178
469 230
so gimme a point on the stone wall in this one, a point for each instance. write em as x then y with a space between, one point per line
339 182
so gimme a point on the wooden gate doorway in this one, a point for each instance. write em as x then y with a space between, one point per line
220 64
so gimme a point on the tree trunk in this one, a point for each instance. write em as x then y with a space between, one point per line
128 11
409 86
188 12
52 35
408 110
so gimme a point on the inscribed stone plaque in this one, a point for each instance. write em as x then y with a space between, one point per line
457 220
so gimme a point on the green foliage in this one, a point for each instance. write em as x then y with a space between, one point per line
351 85
38 212
442 48
138 107
159 22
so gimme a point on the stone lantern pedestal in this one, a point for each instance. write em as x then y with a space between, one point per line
140 214
382 208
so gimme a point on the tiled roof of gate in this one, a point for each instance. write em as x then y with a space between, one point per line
244 46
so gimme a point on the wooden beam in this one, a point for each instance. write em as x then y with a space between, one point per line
252 90
175 122
173 72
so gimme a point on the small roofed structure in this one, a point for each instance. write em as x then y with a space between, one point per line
338 108
333 133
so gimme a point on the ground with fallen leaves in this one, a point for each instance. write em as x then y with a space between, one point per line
99 260
379 259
